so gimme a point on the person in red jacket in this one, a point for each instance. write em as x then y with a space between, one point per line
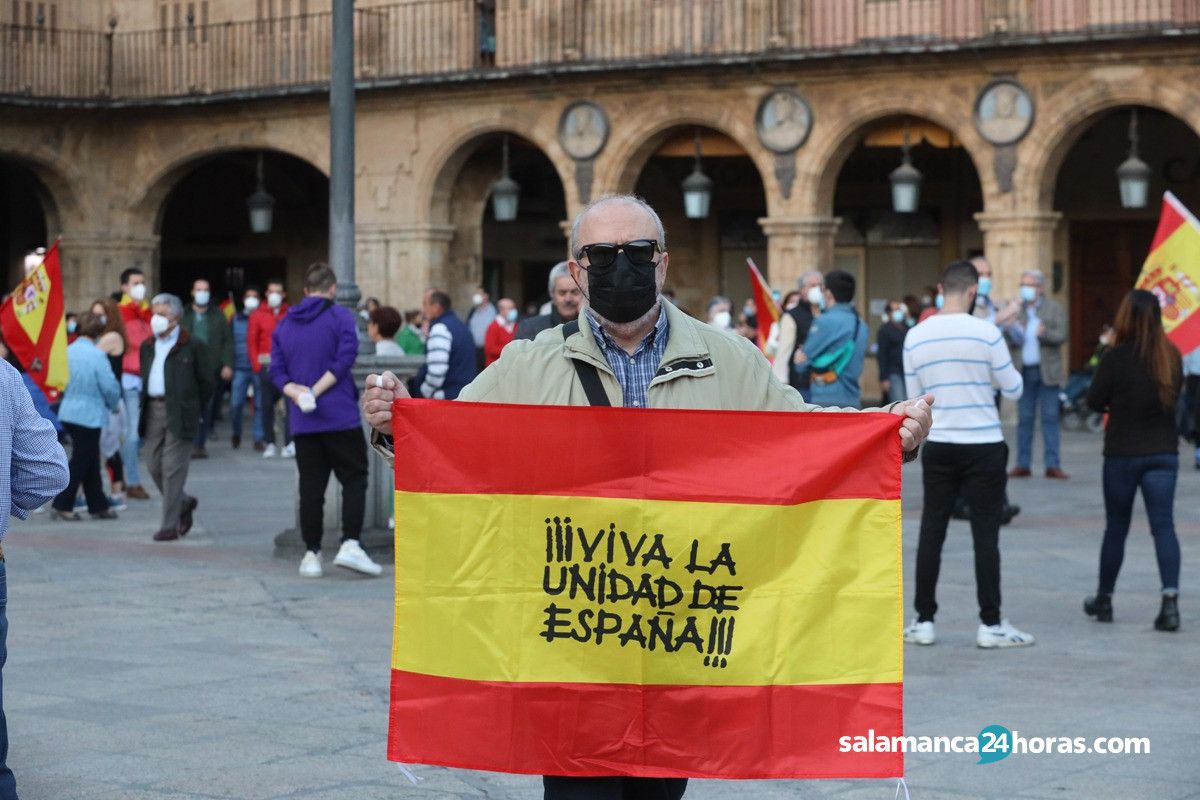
135 313
258 343
501 331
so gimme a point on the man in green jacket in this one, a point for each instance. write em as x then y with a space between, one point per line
177 384
647 353
206 323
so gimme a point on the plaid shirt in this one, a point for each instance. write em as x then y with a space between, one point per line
634 372
33 467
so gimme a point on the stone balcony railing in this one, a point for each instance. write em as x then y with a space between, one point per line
423 40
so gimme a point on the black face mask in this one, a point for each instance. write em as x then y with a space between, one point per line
623 291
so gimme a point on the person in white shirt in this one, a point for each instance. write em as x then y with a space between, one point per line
964 359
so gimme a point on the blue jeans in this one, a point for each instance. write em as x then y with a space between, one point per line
129 448
1043 398
243 379
1156 476
8 784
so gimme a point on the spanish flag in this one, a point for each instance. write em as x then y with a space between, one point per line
1172 273
34 325
609 591
766 311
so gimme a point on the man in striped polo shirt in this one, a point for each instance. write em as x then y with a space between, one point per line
964 359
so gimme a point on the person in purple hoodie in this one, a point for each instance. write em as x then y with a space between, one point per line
312 352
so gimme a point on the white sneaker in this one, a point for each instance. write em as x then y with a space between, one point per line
269 451
1002 635
920 633
289 451
352 556
310 565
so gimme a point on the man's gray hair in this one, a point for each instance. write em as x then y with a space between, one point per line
171 301
1036 274
560 271
810 274
630 199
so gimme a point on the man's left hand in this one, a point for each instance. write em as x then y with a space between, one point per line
226 373
917 421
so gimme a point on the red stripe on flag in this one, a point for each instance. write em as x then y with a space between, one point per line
676 454
1186 335
1172 216
695 731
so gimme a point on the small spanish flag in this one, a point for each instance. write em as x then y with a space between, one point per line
637 596
227 307
1172 273
34 325
766 309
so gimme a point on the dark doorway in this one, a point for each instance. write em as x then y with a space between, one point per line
206 226
22 219
1106 257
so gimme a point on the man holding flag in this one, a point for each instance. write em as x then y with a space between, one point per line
642 352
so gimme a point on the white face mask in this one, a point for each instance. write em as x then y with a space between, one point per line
476 299
816 297
250 303
201 297
159 324
722 319
274 299
138 292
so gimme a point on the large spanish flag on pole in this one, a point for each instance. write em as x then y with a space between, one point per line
766 311
34 325
1172 272
607 591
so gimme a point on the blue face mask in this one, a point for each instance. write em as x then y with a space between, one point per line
71 326
1029 293
898 315
747 311
939 301
985 286
511 315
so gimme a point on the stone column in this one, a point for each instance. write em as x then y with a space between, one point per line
1015 241
796 245
398 262
92 262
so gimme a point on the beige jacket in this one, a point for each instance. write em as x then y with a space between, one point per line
701 368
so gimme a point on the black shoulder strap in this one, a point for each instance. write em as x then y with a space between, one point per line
588 376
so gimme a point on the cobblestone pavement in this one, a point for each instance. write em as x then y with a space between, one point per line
207 668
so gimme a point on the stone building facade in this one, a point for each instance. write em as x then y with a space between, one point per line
145 155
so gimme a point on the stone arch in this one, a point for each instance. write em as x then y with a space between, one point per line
820 161
448 159
58 183
632 145
1075 107
151 194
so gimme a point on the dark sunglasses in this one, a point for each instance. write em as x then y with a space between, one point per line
601 255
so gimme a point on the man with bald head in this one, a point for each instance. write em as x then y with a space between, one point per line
644 353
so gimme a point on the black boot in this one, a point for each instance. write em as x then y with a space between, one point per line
1099 607
1168 617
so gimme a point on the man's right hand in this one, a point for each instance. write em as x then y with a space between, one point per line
380 391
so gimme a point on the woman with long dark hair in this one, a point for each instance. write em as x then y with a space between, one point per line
1136 384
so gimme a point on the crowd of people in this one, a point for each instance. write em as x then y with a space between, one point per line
149 378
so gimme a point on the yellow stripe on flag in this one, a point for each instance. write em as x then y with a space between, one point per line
823 576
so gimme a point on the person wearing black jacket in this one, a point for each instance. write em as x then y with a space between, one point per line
889 353
1137 384
565 298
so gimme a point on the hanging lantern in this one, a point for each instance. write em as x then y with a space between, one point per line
906 182
506 193
260 204
1133 176
697 189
